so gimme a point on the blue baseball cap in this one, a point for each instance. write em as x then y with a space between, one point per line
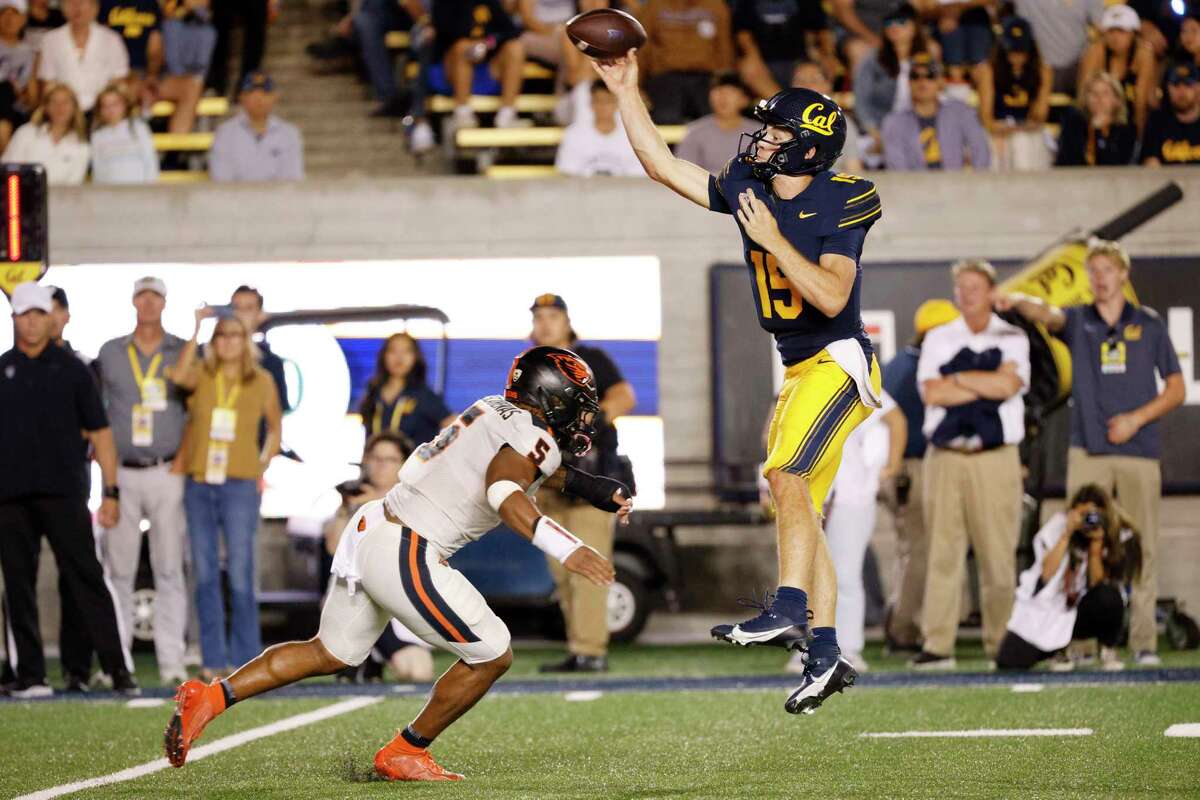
258 79
549 301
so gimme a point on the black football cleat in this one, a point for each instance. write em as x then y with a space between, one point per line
814 689
771 627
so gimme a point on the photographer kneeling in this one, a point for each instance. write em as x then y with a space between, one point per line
409 657
1082 558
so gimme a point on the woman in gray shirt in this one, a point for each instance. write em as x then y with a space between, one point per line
122 147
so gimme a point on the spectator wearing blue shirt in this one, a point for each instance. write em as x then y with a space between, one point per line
398 399
247 304
256 145
1118 350
902 630
934 133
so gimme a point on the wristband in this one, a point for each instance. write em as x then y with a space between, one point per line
554 540
500 491
112 493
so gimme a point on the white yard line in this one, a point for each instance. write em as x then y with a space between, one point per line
1187 730
981 733
210 749
1027 688
583 696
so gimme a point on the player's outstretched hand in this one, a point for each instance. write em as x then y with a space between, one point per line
757 220
626 506
619 74
587 562
1003 301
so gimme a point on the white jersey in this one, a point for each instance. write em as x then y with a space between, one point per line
442 489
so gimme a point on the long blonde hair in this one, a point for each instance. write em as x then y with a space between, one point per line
249 359
1121 114
40 117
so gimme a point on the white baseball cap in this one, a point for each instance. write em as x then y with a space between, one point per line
149 284
1120 17
32 296
19 5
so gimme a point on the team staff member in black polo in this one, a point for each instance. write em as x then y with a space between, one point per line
584 605
1116 349
48 397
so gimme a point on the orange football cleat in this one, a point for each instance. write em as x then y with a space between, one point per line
196 704
399 761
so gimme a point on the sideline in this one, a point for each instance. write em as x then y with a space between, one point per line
980 733
210 749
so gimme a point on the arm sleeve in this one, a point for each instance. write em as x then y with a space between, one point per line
523 435
1152 138
149 155
895 148
1015 348
87 398
220 157
930 362
1165 357
1070 320
846 242
293 169
570 158
977 139
47 67
596 489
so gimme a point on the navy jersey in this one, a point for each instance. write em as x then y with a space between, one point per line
832 215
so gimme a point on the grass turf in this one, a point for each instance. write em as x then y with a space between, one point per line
687 745
690 661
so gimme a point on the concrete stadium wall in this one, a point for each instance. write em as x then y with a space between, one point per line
927 217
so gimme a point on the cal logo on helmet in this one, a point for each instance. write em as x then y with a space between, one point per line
819 123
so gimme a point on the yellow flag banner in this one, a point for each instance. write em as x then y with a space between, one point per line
1059 277
18 272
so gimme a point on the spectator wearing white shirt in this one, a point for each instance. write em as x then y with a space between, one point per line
83 54
256 145
597 146
122 147
715 138
972 373
55 137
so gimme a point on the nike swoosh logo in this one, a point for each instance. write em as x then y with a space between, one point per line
806 216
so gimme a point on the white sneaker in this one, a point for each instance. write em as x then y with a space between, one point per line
30 691
464 117
797 663
1145 658
1110 660
422 140
1061 662
506 117
172 677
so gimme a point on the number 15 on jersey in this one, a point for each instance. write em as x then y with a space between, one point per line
776 297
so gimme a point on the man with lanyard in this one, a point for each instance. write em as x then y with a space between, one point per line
49 401
584 604
148 418
1116 349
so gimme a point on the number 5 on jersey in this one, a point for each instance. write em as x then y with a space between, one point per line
776 296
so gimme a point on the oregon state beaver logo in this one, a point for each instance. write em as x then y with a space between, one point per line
573 368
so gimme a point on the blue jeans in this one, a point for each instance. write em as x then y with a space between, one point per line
371 25
231 508
967 44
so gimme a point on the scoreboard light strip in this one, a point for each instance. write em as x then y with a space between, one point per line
14 217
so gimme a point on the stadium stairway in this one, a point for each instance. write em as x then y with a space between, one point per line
340 139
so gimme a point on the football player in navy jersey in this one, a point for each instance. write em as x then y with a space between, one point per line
803 228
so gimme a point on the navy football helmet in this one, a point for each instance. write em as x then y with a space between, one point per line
814 120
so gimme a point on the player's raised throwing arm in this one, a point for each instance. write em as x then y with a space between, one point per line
683 177
508 476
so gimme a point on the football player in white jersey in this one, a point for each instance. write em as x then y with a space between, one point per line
391 562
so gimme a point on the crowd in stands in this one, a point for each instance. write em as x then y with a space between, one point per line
982 84
78 82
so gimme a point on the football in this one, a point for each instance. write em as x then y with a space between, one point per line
605 33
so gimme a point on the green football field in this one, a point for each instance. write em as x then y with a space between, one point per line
622 740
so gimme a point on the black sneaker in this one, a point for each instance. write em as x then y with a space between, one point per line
575 663
125 685
398 107
76 684
931 662
771 627
816 687
25 689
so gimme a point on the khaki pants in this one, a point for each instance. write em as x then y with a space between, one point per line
973 497
912 555
1137 485
584 605
157 495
